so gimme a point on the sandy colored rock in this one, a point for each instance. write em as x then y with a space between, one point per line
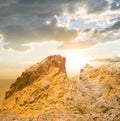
39 89
44 93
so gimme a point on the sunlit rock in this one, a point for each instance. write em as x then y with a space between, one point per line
44 93
40 88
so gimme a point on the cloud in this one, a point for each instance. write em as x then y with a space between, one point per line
49 8
108 60
17 36
100 36
1 37
43 9
4 3
115 5
96 6
115 26
25 21
71 5
77 45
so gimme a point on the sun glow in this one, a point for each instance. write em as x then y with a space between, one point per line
74 61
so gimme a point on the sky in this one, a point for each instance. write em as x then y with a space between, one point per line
30 30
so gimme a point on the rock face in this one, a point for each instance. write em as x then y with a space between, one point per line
44 93
39 88
51 65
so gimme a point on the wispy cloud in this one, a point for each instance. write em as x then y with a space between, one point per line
108 60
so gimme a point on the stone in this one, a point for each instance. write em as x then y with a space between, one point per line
39 87
44 93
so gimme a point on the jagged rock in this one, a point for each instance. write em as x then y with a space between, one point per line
44 93
37 72
39 88
103 85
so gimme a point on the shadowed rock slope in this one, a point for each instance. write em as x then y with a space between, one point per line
44 93
39 89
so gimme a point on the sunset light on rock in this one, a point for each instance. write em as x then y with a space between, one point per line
59 60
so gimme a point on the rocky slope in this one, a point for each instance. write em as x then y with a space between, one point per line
39 88
44 93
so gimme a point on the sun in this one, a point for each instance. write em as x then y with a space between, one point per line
74 61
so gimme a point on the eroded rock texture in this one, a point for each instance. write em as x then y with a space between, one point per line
44 93
39 89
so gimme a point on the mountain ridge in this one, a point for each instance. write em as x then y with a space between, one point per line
50 95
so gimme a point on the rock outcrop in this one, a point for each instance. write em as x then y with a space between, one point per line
51 65
44 93
96 93
39 88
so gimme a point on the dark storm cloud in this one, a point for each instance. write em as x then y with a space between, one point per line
24 21
92 6
47 8
4 3
41 8
111 33
44 11
115 26
96 6
115 5
16 36
19 33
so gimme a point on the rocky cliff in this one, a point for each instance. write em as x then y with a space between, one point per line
44 93
39 89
